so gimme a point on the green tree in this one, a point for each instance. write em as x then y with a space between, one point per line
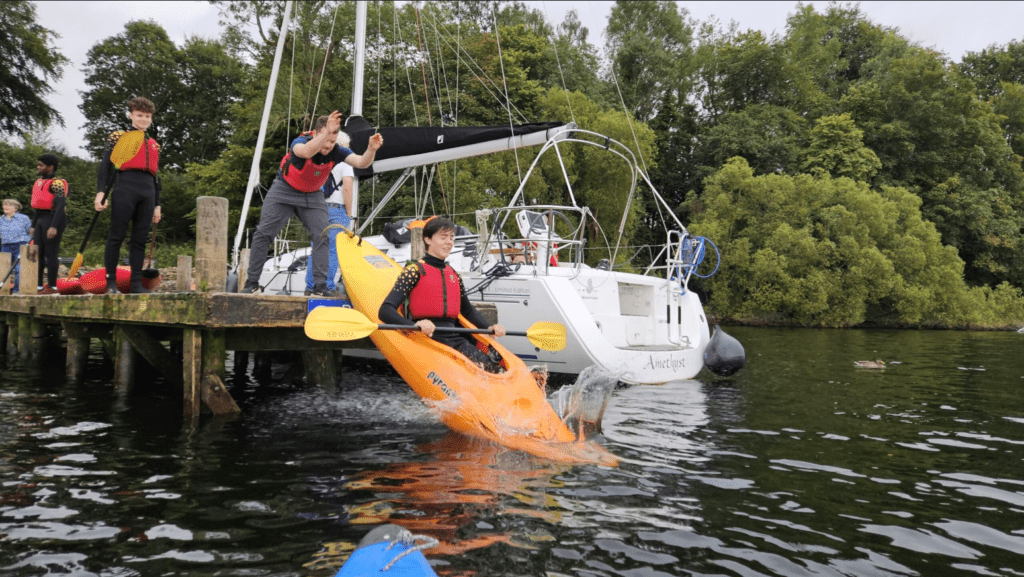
998 72
650 48
820 251
29 63
993 66
769 137
192 88
141 61
934 137
837 147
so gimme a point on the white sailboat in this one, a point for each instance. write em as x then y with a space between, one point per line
645 328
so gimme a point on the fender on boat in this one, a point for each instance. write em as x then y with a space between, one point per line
724 354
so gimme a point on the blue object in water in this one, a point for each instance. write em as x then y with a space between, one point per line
391 551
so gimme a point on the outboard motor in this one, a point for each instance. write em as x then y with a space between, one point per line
724 354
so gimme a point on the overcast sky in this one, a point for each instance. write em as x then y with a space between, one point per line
953 28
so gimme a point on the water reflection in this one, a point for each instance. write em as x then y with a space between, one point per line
800 465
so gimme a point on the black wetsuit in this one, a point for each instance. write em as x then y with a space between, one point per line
135 195
49 248
465 344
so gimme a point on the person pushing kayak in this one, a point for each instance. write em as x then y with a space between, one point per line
437 297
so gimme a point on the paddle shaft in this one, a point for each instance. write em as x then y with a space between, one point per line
88 233
152 243
17 259
13 265
459 330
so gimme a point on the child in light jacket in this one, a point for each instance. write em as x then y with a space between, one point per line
15 230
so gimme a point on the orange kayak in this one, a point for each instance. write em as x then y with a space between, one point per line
507 408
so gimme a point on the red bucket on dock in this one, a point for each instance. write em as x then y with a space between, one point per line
70 286
95 282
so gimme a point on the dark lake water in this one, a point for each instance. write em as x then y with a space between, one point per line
800 465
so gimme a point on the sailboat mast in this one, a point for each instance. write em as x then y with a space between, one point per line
254 171
357 87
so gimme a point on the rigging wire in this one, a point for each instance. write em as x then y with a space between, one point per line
412 98
482 75
423 65
458 62
444 77
561 75
497 41
327 53
629 119
291 89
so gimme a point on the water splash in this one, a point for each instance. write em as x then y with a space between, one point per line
582 404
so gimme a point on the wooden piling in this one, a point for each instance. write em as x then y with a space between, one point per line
38 342
184 274
5 267
124 362
416 243
28 269
211 244
319 367
25 333
214 393
78 350
192 370
3 332
12 333
243 267
154 352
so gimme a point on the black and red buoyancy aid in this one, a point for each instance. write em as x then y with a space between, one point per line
147 158
44 189
436 295
310 178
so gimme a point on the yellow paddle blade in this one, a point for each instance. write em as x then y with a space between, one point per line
75 265
128 145
547 336
337 324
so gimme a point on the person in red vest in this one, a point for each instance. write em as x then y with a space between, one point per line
129 172
298 190
49 194
437 297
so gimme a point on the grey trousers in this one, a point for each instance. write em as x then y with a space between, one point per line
281 202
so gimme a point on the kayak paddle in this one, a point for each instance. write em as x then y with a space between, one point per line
344 324
150 272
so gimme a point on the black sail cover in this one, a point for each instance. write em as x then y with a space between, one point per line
402 142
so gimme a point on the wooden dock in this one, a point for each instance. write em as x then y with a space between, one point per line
184 335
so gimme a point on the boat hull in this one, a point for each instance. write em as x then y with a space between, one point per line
650 348
507 408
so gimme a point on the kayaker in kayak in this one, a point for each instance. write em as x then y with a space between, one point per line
436 296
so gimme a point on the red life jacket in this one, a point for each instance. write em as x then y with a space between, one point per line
147 158
436 295
310 178
44 189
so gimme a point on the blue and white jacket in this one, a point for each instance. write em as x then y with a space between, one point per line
14 230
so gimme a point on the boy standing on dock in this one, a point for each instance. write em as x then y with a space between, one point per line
128 172
49 194
298 190
338 193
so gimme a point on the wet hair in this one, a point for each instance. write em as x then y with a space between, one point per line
437 224
343 139
141 104
12 202
49 160
320 123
